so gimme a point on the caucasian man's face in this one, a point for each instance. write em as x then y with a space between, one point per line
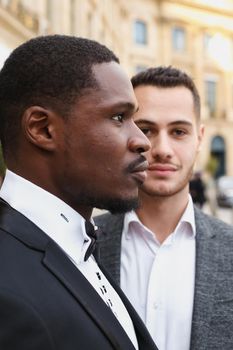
167 117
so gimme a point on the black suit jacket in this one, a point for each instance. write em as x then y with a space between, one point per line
46 303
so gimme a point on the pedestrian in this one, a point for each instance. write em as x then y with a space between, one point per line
197 189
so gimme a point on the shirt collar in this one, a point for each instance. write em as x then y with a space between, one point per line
53 216
130 218
188 217
187 220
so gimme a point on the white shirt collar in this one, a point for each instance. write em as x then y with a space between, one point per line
187 219
53 216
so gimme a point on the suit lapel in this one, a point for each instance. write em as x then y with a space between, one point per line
207 255
64 270
59 264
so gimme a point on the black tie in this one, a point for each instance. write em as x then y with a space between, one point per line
92 233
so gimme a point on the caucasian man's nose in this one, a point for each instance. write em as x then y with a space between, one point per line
161 146
139 142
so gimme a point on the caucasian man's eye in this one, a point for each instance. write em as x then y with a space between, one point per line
118 118
179 132
145 131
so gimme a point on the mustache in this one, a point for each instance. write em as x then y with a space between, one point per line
162 160
133 166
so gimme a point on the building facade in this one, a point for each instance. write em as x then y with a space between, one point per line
194 35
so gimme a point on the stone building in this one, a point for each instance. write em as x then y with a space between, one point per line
194 35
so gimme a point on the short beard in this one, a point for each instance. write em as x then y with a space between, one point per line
114 205
118 206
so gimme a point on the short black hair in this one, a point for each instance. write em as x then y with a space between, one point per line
49 71
168 77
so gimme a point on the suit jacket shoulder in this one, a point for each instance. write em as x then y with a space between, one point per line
208 226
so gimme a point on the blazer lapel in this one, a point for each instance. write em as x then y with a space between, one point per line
59 264
109 243
65 271
207 254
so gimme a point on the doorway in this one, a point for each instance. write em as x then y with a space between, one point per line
218 151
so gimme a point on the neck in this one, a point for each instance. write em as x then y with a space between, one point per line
86 212
43 182
162 214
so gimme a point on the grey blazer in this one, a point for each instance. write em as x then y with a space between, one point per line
212 321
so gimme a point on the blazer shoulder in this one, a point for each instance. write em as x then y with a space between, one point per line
212 226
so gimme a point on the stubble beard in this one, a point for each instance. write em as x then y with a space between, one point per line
117 206
114 205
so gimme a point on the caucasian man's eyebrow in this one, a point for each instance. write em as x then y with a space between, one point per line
144 122
151 123
181 122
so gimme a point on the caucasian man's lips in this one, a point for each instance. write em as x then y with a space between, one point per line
162 167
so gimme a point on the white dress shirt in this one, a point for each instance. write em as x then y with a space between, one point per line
67 228
159 278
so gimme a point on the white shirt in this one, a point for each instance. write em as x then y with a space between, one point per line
159 278
67 228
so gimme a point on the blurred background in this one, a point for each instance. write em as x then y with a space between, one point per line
194 35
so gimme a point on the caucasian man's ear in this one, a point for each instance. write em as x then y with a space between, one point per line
200 136
39 126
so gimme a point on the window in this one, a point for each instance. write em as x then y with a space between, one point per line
206 41
210 95
140 32
178 39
